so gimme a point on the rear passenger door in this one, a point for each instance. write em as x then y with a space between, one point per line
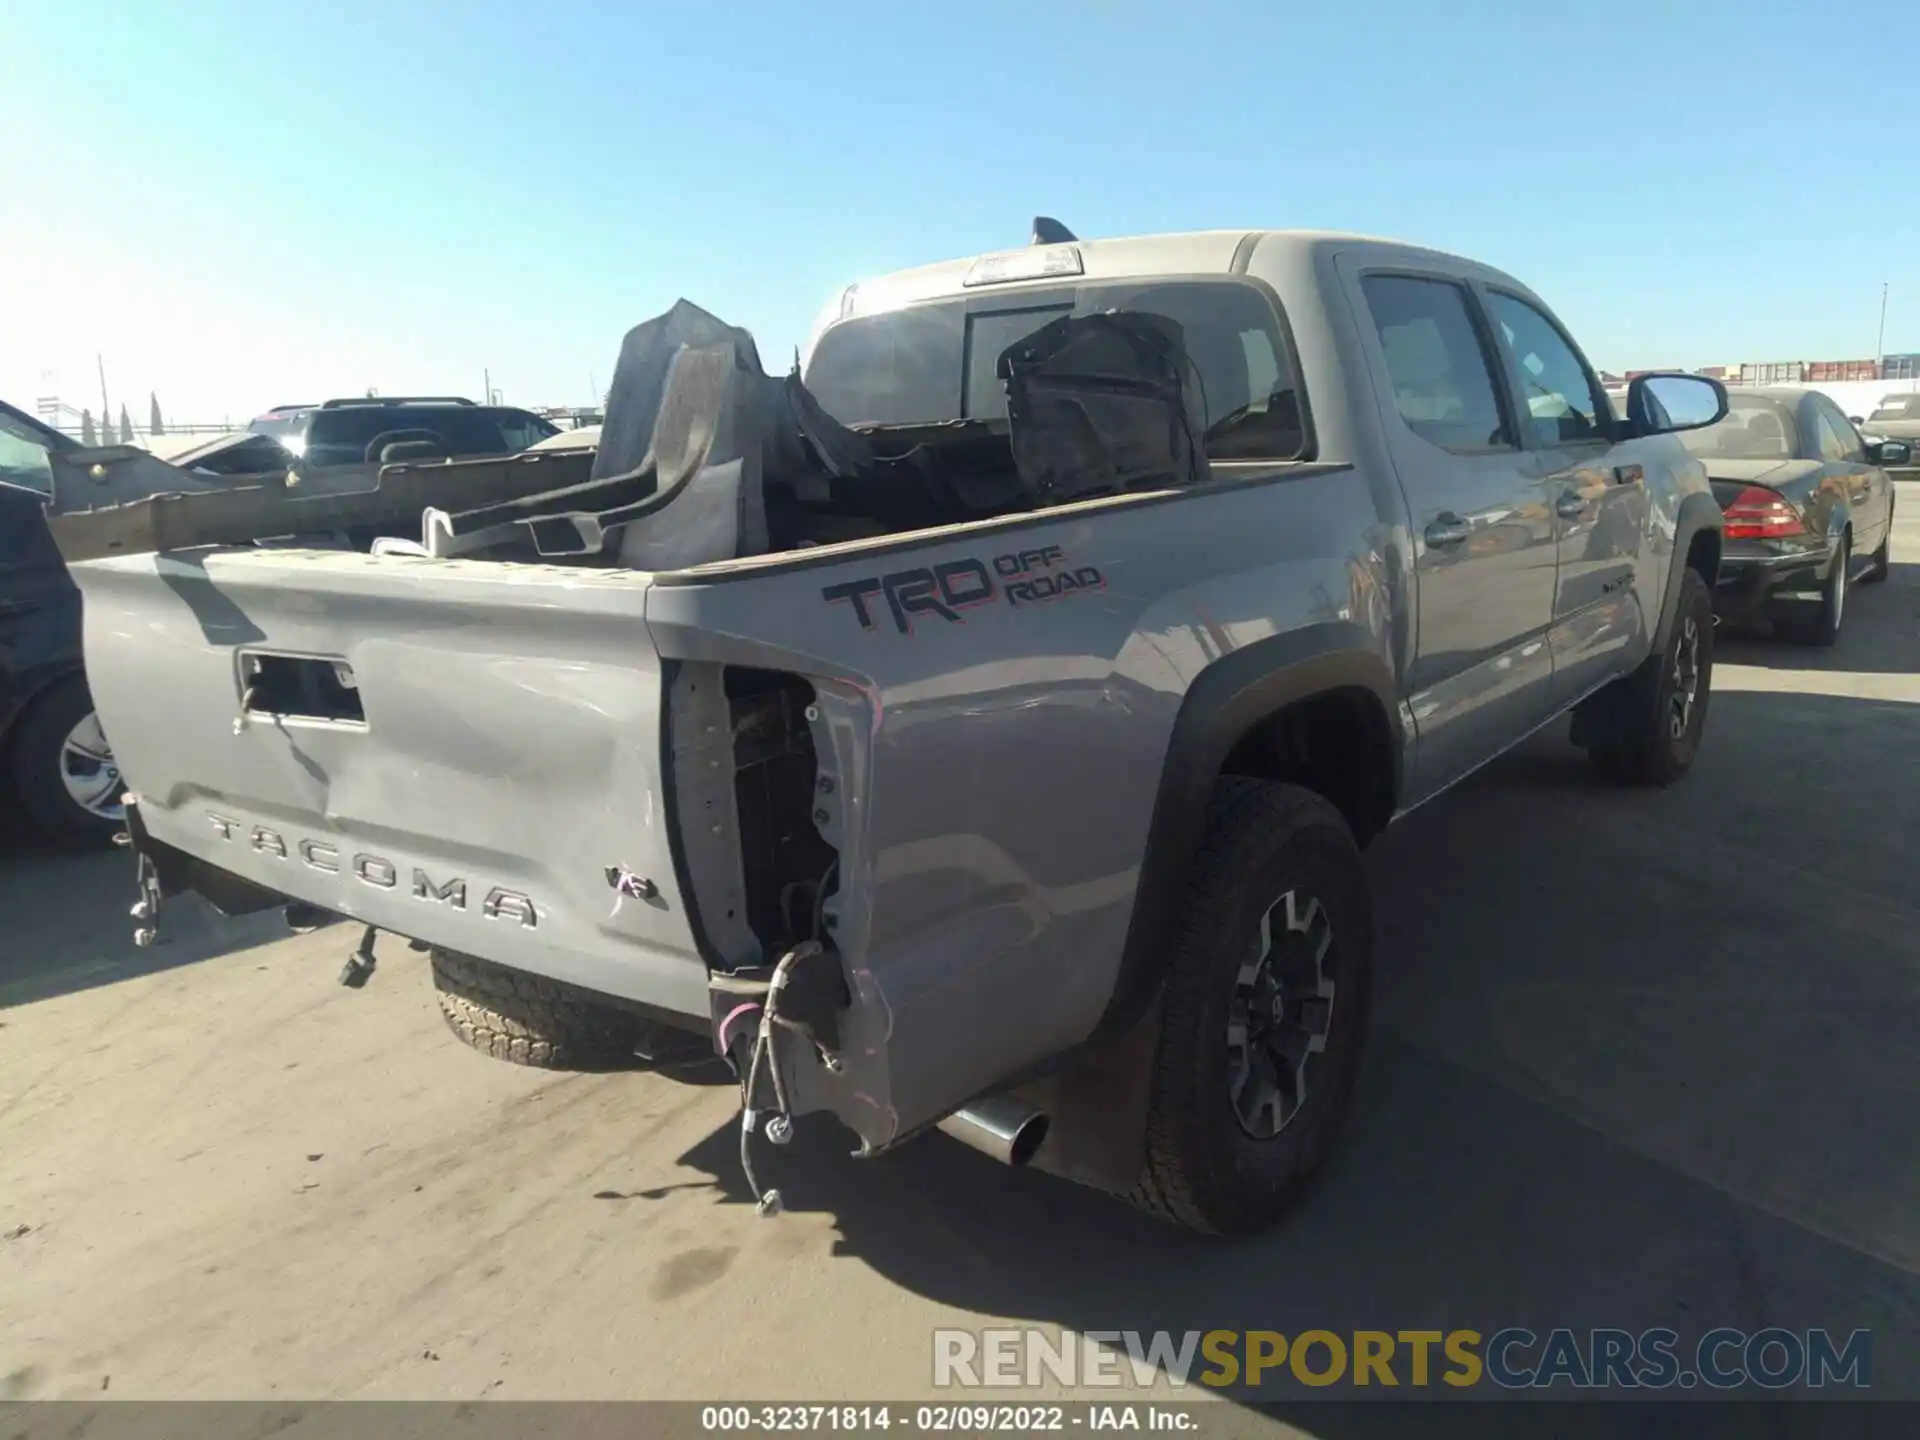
1482 532
1869 492
1597 495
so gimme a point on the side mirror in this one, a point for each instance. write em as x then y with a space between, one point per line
1857 421
1663 403
1890 452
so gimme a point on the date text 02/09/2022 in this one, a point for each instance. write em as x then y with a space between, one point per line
964 1419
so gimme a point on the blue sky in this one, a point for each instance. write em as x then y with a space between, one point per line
247 204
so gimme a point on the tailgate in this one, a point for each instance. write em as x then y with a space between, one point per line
452 751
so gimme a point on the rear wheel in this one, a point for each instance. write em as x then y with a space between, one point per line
531 1020
63 772
1265 1013
1822 627
1661 710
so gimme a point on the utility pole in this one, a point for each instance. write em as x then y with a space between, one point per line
102 364
486 387
1880 345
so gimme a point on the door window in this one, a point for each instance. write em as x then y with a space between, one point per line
1839 441
1562 404
23 458
1443 382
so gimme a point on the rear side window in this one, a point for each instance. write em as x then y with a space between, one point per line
1838 439
932 363
1563 405
1442 379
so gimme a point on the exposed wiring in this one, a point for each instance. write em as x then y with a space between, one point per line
767 1200
820 895
779 1124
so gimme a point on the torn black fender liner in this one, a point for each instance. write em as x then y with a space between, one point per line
692 421
640 377
1101 404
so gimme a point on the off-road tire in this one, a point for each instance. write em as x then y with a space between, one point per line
34 759
1645 751
530 1020
1880 563
1822 626
1203 1170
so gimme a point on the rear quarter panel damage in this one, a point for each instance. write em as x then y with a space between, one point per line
997 705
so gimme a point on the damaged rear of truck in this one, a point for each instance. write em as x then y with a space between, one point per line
883 758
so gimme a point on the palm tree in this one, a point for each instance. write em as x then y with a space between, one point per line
154 424
126 425
86 427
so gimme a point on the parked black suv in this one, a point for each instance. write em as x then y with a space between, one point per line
54 761
358 431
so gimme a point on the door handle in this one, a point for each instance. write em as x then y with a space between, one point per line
1447 529
1571 505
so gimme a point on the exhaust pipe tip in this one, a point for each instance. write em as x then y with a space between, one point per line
1009 1130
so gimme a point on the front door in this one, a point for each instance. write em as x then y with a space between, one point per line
1483 534
1597 491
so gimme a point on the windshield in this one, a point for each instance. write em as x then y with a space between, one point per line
1755 429
933 363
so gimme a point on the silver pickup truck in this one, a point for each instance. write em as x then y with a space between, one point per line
977 728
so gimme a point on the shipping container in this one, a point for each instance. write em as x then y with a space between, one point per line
1900 367
1773 372
1821 371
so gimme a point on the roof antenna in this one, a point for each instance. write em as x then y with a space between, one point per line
1049 231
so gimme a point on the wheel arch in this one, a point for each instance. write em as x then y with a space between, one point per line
1697 546
36 687
1249 713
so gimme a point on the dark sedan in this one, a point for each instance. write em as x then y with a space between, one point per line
53 759
1808 509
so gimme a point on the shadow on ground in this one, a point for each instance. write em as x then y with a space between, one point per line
1643 1059
1879 632
63 916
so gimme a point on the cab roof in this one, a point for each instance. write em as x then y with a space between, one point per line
1193 252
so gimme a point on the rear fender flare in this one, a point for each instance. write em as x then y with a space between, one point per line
1223 705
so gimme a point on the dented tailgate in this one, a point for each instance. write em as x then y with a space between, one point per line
505 754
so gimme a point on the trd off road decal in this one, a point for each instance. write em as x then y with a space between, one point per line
1020 577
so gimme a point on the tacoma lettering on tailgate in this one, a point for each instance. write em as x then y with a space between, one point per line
1021 577
375 870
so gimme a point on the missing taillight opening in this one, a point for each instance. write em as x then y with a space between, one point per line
788 868
1757 513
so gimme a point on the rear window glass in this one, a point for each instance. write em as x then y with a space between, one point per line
341 437
1755 428
1896 410
278 426
932 363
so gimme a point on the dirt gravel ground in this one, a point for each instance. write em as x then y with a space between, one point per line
1642 1059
